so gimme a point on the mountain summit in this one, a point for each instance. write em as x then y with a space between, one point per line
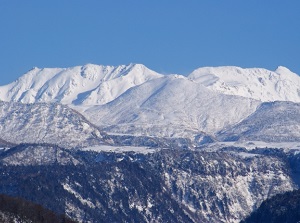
255 83
91 84
85 85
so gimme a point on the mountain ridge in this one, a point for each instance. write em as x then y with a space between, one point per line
46 123
256 83
92 84
78 85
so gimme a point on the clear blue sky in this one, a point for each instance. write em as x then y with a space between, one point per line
168 36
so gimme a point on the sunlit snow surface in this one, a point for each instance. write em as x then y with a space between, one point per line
271 122
120 149
82 85
169 106
250 145
97 84
256 83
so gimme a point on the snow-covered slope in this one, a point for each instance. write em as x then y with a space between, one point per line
171 106
81 85
272 122
256 83
46 123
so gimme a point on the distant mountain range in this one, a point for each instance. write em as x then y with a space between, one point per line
125 143
96 84
135 100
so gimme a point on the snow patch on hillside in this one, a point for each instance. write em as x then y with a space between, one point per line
120 149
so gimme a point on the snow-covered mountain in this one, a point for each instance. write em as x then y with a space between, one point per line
46 123
97 84
160 176
272 122
256 83
135 100
81 85
171 106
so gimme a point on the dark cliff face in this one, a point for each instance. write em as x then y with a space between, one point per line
165 186
283 207
280 208
13 209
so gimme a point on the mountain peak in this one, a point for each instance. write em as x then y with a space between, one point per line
257 83
284 70
89 84
93 84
